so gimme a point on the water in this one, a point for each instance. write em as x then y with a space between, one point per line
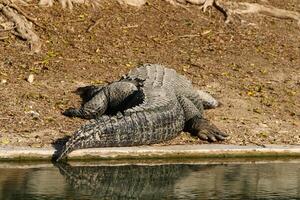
157 181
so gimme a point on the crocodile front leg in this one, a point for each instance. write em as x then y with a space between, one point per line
88 92
97 105
98 100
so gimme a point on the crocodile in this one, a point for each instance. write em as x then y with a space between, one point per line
149 105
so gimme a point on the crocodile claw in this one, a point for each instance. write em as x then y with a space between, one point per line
209 132
71 112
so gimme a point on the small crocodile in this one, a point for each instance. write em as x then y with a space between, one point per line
151 104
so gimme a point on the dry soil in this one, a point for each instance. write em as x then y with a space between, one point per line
252 67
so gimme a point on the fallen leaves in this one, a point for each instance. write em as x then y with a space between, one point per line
5 141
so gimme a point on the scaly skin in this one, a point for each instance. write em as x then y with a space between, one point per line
151 104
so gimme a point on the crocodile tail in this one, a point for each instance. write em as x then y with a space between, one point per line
141 125
75 142
64 152
105 131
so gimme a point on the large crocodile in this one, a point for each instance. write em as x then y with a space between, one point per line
151 104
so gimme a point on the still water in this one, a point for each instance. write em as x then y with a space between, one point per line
157 181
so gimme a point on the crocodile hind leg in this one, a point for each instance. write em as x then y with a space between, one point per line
98 100
208 101
201 99
197 125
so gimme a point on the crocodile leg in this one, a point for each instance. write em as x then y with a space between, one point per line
204 129
207 100
197 125
97 105
201 99
88 92
110 96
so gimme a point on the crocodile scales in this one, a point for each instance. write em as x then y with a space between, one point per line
151 104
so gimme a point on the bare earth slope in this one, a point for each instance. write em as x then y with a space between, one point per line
252 68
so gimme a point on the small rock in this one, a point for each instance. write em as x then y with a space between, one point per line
71 29
3 81
283 132
263 125
33 114
30 78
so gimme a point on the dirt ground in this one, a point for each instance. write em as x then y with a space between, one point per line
252 68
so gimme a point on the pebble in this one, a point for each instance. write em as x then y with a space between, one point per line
30 78
3 81
263 125
33 114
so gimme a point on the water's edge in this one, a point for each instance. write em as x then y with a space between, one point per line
205 151
257 179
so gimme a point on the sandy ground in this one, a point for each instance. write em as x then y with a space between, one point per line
252 68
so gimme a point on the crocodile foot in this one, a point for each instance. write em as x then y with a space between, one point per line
205 130
210 132
72 112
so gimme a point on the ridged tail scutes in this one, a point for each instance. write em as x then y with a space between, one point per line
67 148
79 140
63 153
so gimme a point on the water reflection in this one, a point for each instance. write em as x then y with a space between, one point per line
19 182
128 181
165 181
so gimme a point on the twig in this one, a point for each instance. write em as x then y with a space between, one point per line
189 36
81 49
130 26
94 25
183 36
160 9
3 38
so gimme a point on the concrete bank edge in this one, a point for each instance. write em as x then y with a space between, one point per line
154 152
